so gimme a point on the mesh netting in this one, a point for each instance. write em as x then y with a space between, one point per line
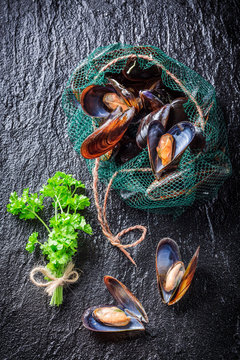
198 175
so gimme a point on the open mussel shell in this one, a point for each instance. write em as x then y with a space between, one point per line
172 278
127 303
108 135
125 298
186 280
181 134
127 95
100 101
167 255
90 322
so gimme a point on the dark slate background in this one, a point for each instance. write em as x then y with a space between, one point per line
41 43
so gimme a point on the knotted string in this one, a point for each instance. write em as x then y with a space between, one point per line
114 239
70 276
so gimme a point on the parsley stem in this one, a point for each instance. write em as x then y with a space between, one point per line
42 222
55 210
59 204
72 197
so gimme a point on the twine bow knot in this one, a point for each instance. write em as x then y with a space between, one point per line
70 276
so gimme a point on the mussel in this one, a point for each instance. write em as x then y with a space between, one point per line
163 93
133 72
161 116
99 101
199 142
163 189
172 278
108 135
160 111
151 102
165 154
127 316
128 96
177 112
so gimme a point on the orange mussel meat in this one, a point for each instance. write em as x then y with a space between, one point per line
165 148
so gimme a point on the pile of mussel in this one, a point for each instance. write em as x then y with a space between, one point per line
136 110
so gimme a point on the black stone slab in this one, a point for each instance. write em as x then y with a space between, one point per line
41 43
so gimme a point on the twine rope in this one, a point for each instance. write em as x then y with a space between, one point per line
102 218
70 276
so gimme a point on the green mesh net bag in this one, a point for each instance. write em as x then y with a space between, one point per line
198 175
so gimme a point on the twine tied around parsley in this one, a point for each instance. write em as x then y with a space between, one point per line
62 229
70 276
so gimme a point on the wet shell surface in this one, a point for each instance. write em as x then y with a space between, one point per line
92 324
150 101
108 135
161 115
128 96
182 135
92 100
126 316
172 278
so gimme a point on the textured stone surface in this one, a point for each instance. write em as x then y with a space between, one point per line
41 43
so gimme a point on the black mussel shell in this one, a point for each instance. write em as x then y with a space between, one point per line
92 324
182 133
167 257
160 115
150 101
173 94
166 94
126 301
125 298
186 280
177 112
128 96
128 150
167 254
158 190
133 86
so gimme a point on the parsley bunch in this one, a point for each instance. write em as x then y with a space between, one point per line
63 226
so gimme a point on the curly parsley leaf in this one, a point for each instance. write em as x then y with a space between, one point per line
61 188
78 202
32 240
26 206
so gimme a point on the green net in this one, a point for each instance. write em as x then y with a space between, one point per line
199 174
